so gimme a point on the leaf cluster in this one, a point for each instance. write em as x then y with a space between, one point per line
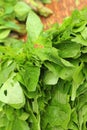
43 81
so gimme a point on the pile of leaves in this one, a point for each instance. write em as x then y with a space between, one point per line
43 80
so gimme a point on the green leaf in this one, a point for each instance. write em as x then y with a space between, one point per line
57 109
3 120
5 69
66 63
82 100
68 50
9 112
20 125
50 78
24 116
21 10
82 89
34 26
57 115
60 94
4 33
51 54
62 72
80 28
11 93
31 77
84 33
78 79
79 39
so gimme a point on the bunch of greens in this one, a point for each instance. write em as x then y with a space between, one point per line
43 83
13 15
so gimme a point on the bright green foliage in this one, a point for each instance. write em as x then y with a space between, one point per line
43 80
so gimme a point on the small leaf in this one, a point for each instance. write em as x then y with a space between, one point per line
21 10
20 125
50 78
4 33
84 33
31 77
24 116
5 69
34 26
66 63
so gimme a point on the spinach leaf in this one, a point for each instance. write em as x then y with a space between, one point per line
7 93
34 26
43 79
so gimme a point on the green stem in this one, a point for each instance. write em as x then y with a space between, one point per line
35 121
39 122
38 7
9 125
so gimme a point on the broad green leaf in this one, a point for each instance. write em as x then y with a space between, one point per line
11 93
57 115
31 77
34 26
66 73
68 50
51 54
57 109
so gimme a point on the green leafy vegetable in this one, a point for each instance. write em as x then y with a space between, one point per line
43 79
34 26
7 93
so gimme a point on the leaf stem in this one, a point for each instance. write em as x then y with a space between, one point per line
39 8
35 121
